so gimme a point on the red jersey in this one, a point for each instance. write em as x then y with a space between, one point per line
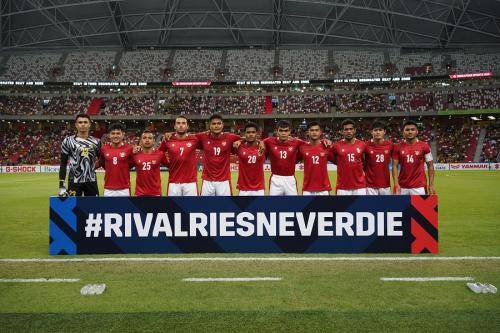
250 167
182 158
147 167
349 160
315 167
216 154
116 166
282 155
378 157
411 158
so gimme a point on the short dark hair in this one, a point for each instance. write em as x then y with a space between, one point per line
147 131
284 124
116 127
379 124
215 116
347 122
181 116
409 123
313 123
82 115
250 125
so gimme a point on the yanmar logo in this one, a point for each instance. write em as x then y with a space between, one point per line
469 166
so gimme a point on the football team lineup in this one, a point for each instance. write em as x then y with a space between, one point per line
363 168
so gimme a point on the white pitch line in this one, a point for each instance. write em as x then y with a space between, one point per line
427 279
242 259
37 280
249 279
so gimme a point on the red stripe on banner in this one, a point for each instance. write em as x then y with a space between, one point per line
422 239
426 207
268 106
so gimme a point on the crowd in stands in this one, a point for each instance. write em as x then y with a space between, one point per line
207 105
455 141
63 105
19 105
491 152
477 99
304 104
128 106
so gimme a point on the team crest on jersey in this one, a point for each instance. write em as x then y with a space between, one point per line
403 152
208 142
307 154
386 151
224 143
358 150
322 154
189 144
417 152
244 153
153 162
107 155
371 151
173 145
342 150
122 154
290 148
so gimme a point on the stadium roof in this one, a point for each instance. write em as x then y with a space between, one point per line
82 24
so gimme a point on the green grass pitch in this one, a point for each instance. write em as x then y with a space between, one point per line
313 296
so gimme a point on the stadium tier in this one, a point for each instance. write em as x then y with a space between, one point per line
240 64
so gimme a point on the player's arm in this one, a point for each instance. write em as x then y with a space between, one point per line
430 172
62 174
395 175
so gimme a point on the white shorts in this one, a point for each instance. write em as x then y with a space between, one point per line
413 191
212 189
378 191
282 185
251 193
359 191
117 193
182 190
315 193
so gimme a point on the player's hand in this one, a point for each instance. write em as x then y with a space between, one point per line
136 149
432 190
397 189
167 136
236 144
327 143
262 148
63 192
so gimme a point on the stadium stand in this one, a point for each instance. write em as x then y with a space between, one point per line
196 64
303 64
249 64
143 66
358 64
490 152
30 67
87 66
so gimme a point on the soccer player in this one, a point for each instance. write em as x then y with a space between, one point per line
348 154
181 152
411 154
282 151
147 164
315 156
250 163
377 158
217 146
82 151
115 159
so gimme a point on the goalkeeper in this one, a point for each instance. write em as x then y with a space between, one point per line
82 151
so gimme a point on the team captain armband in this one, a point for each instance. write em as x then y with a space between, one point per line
428 157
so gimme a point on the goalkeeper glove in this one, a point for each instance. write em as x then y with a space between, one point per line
63 192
